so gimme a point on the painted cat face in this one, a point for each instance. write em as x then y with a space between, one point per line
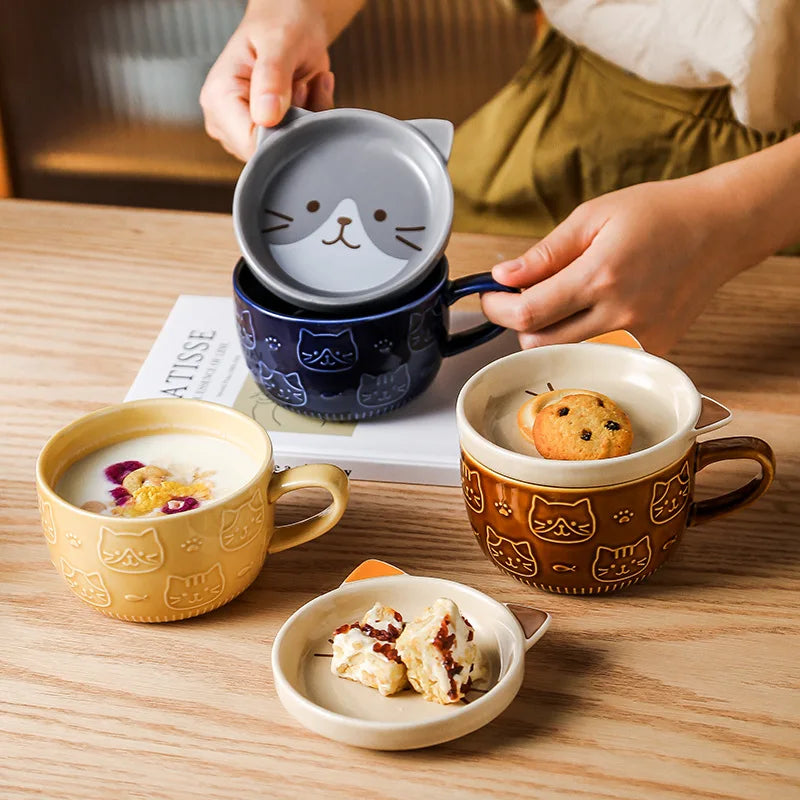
247 334
130 552
621 563
565 523
422 328
350 214
327 352
287 388
514 557
195 590
670 497
471 486
375 391
242 525
88 586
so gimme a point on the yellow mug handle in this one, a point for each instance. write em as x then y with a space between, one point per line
309 476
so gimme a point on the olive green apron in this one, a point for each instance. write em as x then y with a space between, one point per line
571 126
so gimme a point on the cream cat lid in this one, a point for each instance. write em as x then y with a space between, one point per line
667 411
348 712
345 207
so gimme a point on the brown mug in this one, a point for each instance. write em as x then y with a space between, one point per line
579 527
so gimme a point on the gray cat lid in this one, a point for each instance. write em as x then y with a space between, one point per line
345 207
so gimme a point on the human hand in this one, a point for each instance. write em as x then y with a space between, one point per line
277 57
646 258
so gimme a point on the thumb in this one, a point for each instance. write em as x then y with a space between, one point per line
557 250
271 86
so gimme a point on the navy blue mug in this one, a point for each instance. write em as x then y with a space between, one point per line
357 366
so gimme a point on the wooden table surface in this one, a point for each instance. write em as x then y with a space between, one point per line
685 686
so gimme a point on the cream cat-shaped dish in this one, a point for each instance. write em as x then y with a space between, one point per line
345 207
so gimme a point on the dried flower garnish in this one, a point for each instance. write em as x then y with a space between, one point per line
117 473
121 495
178 504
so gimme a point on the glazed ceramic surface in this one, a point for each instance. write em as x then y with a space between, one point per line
591 527
357 715
172 567
352 368
345 207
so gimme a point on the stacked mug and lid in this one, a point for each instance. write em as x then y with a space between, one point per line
342 294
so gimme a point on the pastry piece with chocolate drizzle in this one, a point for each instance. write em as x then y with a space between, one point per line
365 651
440 653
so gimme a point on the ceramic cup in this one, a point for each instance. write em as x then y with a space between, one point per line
196 560
590 527
353 367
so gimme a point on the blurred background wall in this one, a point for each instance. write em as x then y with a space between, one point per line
98 98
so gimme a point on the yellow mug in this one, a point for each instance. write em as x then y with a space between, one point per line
189 563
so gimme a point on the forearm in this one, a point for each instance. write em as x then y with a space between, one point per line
335 14
758 200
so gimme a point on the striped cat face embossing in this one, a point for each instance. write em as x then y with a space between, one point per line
621 563
242 525
471 487
565 523
670 497
512 556
194 591
327 352
130 552
88 586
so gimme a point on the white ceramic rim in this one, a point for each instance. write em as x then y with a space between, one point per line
491 704
578 474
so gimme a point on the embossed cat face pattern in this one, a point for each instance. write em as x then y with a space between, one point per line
130 552
565 523
247 334
621 563
88 586
422 328
375 391
241 526
471 486
327 352
194 591
286 388
512 556
670 497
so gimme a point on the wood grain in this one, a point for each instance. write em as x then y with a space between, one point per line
686 686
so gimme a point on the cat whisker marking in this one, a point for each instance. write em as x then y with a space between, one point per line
410 244
415 228
535 394
279 214
274 228
550 386
324 655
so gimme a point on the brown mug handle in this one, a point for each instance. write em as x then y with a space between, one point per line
734 447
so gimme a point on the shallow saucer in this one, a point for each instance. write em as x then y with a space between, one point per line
357 715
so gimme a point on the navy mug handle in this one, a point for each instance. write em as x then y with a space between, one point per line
461 287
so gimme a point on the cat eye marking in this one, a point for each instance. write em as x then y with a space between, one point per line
275 228
279 214
380 216
413 228
312 206
410 244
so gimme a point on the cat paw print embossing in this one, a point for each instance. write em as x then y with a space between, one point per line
192 545
623 516
73 540
503 508
384 346
272 343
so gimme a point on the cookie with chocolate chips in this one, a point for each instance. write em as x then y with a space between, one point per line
582 427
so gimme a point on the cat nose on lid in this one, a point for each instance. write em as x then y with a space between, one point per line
344 220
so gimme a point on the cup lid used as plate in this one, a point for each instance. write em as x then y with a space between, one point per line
340 208
349 712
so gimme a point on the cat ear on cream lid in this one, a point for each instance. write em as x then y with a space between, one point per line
345 207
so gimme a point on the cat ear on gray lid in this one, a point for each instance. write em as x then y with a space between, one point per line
293 113
439 131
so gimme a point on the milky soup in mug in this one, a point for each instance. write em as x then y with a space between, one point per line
156 475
